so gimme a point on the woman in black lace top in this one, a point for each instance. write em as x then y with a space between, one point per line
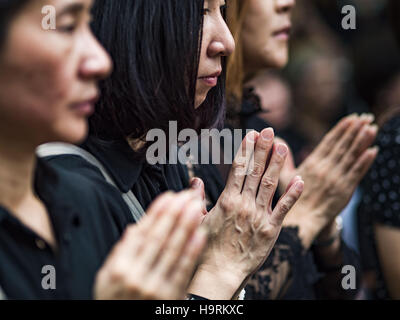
307 260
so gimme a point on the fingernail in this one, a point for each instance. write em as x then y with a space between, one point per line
375 149
268 134
374 128
282 150
196 183
299 186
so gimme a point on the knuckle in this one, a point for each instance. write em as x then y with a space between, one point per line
268 231
151 294
226 202
117 275
239 167
268 183
286 205
256 171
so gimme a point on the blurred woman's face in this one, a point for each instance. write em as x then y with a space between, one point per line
265 34
48 78
217 42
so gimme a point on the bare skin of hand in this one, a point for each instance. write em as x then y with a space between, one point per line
156 258
331 174
243 228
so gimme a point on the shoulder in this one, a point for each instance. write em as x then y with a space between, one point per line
85 185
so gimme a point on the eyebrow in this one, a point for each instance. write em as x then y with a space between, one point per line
72 8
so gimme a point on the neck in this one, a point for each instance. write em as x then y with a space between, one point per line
17 166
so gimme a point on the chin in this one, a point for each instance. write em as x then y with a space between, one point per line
74 134
280 60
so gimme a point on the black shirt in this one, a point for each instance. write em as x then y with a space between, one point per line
128 171
380 202
87 218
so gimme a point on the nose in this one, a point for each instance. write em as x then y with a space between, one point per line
97 63
284 5
223 43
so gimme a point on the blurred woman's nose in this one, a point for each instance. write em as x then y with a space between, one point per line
223 43
97 63
285 5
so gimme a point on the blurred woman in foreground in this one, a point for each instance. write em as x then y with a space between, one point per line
57 227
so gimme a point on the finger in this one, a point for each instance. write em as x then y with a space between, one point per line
364 140
154 211
162 228
240 164
292 182
344 143
287 202
258 162
178 240
288 169
333 136
269 181
187 263
360 168
198 184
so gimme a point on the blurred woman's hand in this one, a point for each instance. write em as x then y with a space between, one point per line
331 174
156 258
243 227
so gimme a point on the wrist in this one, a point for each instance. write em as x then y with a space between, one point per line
331 231
216 284
309 222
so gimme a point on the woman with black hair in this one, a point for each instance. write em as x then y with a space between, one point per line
169 66
57 227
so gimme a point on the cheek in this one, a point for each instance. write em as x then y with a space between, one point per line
201 93
34 91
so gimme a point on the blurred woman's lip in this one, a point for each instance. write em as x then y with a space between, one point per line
283 34
85 108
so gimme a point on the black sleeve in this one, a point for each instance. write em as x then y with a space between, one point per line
120 210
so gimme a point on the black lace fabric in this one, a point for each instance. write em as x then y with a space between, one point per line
293 273
288 273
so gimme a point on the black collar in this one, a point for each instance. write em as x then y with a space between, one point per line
119 160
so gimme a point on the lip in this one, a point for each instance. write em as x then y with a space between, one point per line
212 79
283 33
86 107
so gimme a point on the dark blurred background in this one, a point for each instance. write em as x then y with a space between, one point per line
332 72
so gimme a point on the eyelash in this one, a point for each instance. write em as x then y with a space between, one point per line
68 29
222 8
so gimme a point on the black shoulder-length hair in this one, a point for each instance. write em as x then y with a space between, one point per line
155 46
8 8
